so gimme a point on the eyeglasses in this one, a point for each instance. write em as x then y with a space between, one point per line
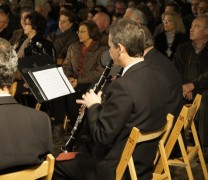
167 21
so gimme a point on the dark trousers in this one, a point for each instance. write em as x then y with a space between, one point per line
86 167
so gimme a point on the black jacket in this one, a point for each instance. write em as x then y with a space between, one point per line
39 46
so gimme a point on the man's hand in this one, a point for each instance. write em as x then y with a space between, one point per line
73 81
90 98
189 96
189 87
187 91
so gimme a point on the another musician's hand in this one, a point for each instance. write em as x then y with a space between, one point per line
90 98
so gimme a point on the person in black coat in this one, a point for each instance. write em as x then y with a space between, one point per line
173 35
174 81
35 25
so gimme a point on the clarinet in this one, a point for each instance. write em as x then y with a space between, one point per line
98 87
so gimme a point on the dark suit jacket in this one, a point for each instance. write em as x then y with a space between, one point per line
139 98
25 134
173 80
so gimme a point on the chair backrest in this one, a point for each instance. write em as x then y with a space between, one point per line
13 88
135 137
197 102
186 115
44 171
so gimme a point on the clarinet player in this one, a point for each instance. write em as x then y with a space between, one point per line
138 98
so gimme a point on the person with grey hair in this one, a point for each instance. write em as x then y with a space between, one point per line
131 100
191 61
25 132
135 15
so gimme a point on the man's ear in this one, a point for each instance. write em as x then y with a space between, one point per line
121 48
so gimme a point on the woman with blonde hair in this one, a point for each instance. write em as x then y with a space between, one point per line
174 34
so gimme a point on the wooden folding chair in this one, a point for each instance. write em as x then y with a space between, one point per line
44 171
137 137
13 88
60 62
186 121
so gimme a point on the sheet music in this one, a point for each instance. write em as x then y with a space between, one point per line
40 90
71 89
52 83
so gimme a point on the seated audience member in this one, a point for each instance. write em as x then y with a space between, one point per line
135 15
51 24
129 101
148 16
173 35
4 20
65 35
203 7
19 36
14 18
89 5
169 7
36 44
154 8
174 81
121 6
103 22
187 20
191 62
91 14
25 132
132 3
115 17
111 7
82 64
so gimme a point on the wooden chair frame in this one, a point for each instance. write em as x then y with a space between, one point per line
186 121
44 171
12 91
13 88
137 137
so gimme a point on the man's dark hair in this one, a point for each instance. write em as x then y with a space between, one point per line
92 29
71 16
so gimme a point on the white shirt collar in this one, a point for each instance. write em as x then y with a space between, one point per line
3 95
130 65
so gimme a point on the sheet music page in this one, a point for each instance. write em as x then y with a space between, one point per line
60 69
40 90
51 83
